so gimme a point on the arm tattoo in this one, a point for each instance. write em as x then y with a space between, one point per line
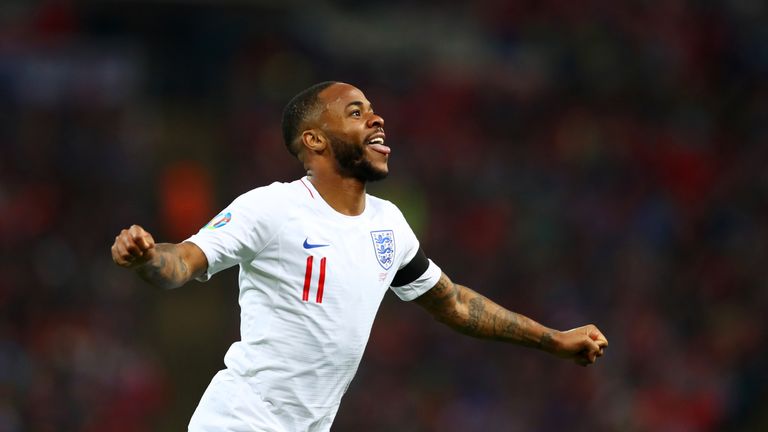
476 312
167 269
473 314
443 294
547 341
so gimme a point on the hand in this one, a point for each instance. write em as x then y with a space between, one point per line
133 247
582 344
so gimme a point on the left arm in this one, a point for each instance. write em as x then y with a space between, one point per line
471 313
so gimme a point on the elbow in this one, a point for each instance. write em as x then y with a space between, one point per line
457 318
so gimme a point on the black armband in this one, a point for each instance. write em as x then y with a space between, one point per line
412 270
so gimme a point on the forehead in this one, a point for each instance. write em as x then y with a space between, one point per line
338 96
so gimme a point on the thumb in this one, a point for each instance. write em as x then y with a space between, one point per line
598 337
591 346
145 241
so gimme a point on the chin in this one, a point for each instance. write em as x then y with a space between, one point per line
367 172
382 170
377 175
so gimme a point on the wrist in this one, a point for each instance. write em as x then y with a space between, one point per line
549 341
141 265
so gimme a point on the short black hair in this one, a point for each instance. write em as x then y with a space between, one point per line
296 112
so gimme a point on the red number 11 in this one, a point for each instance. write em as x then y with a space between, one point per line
308 278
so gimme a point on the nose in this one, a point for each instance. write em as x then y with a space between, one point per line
375 121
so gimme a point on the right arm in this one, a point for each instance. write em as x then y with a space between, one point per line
471 313
164 265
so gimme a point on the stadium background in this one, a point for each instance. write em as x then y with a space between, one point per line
599 162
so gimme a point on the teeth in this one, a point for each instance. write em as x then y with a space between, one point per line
377 141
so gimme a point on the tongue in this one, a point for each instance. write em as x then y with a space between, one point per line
381 148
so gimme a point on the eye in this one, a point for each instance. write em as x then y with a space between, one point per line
356 113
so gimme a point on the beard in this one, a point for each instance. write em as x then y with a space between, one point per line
351 161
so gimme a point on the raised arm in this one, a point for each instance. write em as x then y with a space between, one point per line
470 313
164 265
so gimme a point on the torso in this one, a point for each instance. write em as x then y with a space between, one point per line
309 297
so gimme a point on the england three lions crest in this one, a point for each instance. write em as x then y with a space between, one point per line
384 246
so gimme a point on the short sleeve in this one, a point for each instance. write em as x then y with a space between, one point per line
424 283
410 247
240 231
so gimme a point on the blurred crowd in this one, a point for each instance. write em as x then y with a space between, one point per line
577 162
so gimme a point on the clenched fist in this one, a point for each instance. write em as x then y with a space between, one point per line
582 344
133 247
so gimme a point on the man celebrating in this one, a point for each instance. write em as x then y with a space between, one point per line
316 256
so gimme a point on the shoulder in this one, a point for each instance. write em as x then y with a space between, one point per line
380 205
270 204
273 195
386 209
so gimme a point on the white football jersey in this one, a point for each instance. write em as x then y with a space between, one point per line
311 281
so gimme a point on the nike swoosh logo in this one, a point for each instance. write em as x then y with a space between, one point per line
312 246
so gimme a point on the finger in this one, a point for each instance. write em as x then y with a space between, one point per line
147 241
130 246
124 239
585 357
593 353
141 242
115 256
142 238
597 336
591 346
121 257
582 361
602 344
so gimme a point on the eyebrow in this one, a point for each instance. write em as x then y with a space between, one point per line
359 104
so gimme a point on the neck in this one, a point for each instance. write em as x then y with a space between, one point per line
346 195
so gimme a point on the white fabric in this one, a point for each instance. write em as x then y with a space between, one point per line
230 404
297 355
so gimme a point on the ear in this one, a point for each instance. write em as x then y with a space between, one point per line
314 140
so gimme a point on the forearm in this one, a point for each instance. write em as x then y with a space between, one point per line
166 268
473 314
480 317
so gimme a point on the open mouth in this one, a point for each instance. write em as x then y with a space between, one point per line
377 144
